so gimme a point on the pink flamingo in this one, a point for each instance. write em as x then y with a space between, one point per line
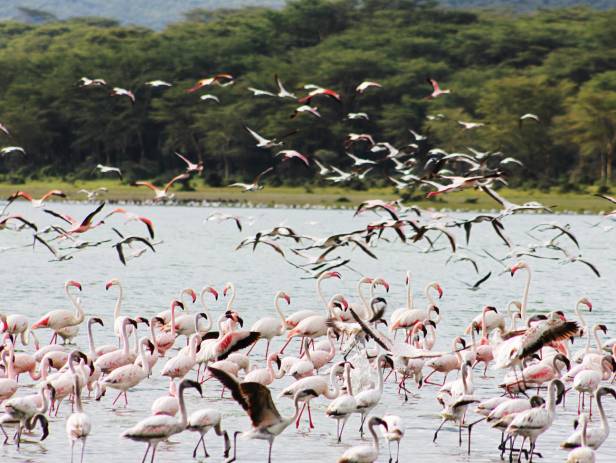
165 341
58 319
269 327
112 360
264 376
8 385
446 363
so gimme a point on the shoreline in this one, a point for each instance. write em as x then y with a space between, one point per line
306 197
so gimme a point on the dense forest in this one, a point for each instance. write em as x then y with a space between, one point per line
158 13
557 64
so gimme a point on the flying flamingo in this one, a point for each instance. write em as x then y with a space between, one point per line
221 80
361 88
160 194
256 400
78 227
36 202
191 167
78 425
118 91
157 428
269 327
436 89
58 319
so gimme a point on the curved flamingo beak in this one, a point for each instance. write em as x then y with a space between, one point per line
98 320
214 292
384 284
514 269
345 303
334 275
160 320
489 308
177 303
588 304
109 284
440 291
74 283
287 298
225 290
193 295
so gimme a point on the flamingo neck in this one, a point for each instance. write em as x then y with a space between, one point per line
232 298
12 374
91 346
605 426
125 338
145 365
429 297
77 395
319 291
334 384
525 294
118 304
484 326
598 342
279 310
349 384
409 294
173 320
579 314
183 417
153 332
296 413
184 291
208 322
381 376
454 347
270 369
79 313
375 438
44 401
551 405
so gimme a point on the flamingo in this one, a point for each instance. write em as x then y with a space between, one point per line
315 326
264 376
183 362
436 89
117 358
393 433
587 381
78 425
585 356
202 421
295 318
167 404
369 398
409 299
128 376
93 352
162 193
17 325
537 374
534 422
318 386
165 341
185 324
269 327
117 318
222 80
118 91
585 453
21 410
256 400
361 88
157 428
596 436
406 319
8 385
36 202
448 362
58 319
343 406
365 453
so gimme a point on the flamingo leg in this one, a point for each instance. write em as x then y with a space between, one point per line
438 429
389 448
281 351
72 448
153 452
310 417
398 452
342 429
116 399
147 449
269 453
83 449
267 348
125 399
234 447
300 416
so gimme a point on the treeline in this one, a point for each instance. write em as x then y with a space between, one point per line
558 64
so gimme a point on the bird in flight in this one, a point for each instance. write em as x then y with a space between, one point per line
255 185
221 80
118 91
191 167
436 89
162 193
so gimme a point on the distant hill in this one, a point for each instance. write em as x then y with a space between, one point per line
157 13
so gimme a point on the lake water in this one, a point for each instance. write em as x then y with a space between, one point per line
195 253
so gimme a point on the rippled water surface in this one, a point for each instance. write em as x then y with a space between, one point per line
195 254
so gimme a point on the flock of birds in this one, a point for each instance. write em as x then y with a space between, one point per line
344 354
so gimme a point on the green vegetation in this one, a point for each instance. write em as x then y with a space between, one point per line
558 64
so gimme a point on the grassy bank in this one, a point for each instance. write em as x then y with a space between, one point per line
325 196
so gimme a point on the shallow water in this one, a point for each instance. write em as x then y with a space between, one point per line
195 254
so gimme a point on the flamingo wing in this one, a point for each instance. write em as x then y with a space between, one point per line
177 178
146 184
88 220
